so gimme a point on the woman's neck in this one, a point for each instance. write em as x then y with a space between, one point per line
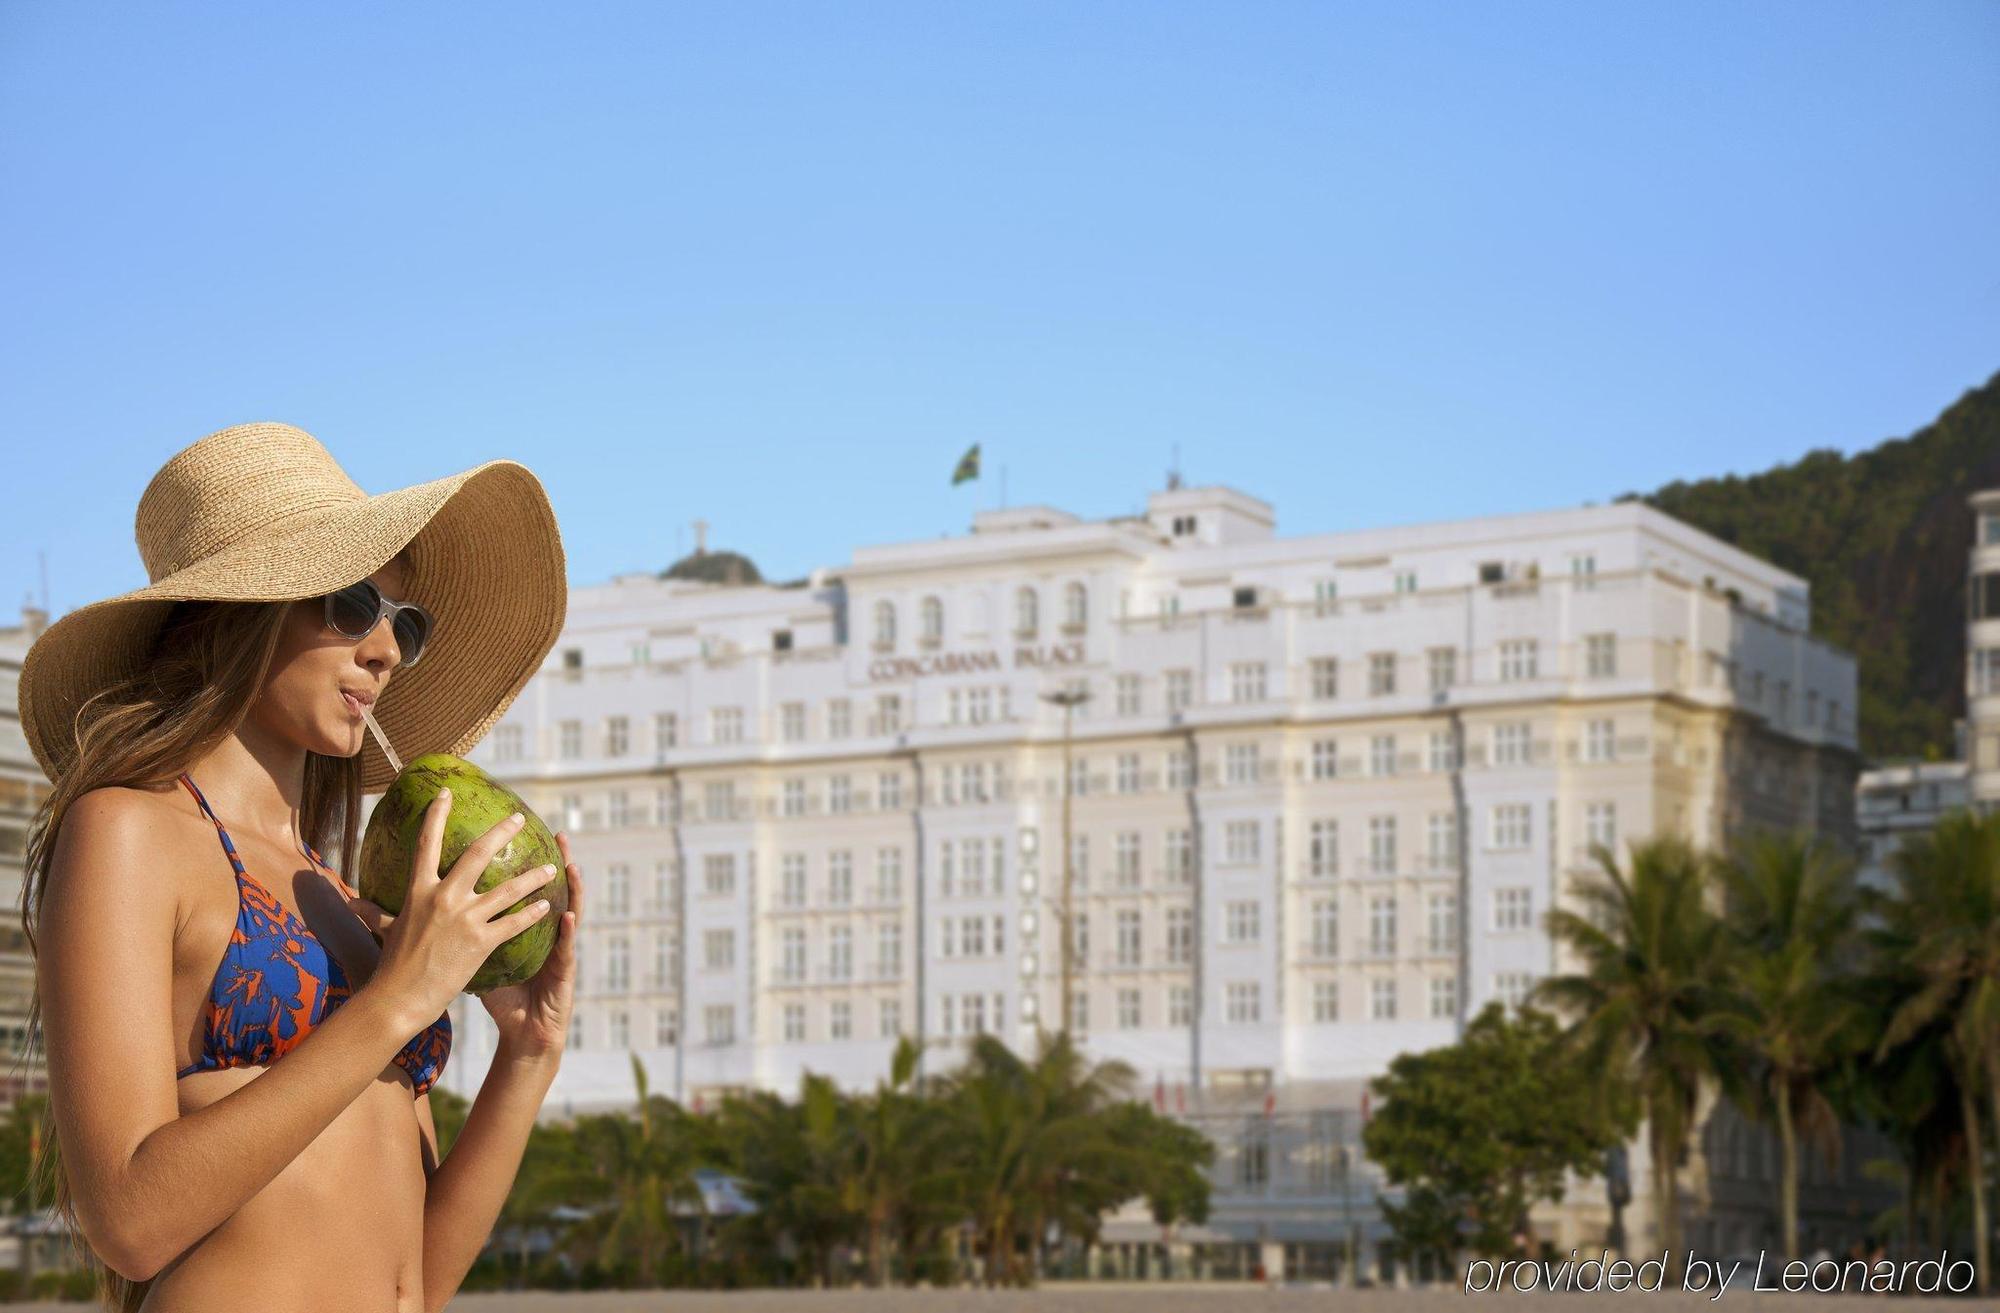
254 780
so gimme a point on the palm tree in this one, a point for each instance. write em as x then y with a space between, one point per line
799 1164
1028 1140
634 1166
1639 1004
1790 940
1941 931
899 1140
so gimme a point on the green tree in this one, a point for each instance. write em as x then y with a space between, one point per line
1640 1003
801 1164
1790 1009
1940 936
899 1139
1485 1128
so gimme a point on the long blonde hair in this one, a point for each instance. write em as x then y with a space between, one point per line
209 663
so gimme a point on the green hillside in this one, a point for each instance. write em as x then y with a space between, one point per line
1883 537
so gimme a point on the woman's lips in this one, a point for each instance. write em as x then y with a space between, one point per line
353 704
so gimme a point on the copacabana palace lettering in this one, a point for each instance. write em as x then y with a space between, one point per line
968 663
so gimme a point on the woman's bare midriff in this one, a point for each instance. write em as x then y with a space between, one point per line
341 1227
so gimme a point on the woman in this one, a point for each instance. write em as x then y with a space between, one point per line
240 1048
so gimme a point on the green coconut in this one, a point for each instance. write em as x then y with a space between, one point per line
478 803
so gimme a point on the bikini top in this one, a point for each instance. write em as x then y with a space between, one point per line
277 982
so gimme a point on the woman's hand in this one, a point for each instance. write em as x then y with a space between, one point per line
533 1016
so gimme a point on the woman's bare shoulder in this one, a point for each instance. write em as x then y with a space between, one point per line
109 832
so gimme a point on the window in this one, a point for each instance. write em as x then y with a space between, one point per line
1244 598
1442 664
1443 922
509 743
1128 772
1244 1007
1513 987
1382 926
1598 742
792 800
930 615
1510 825
1381 674
1443 751
840 794
1325 928
1079 1012
666 730
889 790
885 626
839 877
889 949
1127 687
618 964
1240 923
889 1018
718 874
1240 763
1179 689
1325 759
570 739
1246 681
1079 857
1180 856
1511 908
719 1023
1180 769
1076 607
1323 848
1125 859
1127 931
839 718
1326 1001
618 808
1382 755
718 950
1600 656
792 722
1027 612
1325 678
792 955
666 1027
1406 581
1240 845
1128 1009
1517 659
618 890
1441 841
840 953
1444 997
888 713
1510 743
1382 1000
1180 935
1382 845
795 1023
617 736
1326 594
725 725
1180 1006
1600 820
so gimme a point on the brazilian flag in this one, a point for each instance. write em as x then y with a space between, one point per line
968 466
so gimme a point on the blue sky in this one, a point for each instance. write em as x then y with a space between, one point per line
776 266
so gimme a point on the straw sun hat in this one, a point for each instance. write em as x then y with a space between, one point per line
261 512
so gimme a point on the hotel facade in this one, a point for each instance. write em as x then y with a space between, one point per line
1319 792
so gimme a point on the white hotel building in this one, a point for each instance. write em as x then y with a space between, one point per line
1324 790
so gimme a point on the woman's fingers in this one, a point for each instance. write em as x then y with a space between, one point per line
371 915
509 892
424 873
465 871
506 927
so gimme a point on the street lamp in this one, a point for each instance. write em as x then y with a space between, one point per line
1069 699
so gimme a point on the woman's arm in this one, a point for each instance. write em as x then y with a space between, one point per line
148 1183
468 1189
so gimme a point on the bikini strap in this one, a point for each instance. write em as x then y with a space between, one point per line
228 844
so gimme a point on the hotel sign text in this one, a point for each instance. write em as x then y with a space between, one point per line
967 663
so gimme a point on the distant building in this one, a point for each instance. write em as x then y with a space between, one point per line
1324 790
23 787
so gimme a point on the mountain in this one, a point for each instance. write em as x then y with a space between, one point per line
1882 536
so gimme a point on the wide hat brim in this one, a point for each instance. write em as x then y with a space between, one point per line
487 562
